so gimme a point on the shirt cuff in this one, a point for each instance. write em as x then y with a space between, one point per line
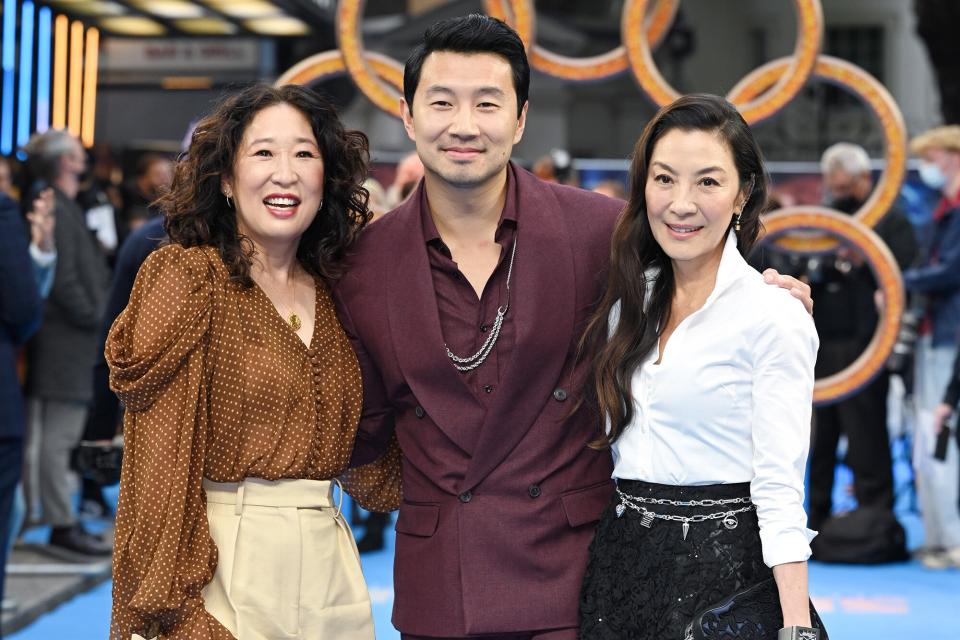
791 545
42 258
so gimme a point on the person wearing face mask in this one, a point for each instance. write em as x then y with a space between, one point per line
938 279
846 317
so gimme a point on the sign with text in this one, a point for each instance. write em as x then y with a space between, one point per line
165 55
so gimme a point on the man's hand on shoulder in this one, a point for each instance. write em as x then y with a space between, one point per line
797 288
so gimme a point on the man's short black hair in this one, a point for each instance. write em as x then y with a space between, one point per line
474 33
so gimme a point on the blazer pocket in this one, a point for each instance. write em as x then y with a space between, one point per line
418 519
583 506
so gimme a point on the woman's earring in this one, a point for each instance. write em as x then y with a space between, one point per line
229 201
320 208
736 224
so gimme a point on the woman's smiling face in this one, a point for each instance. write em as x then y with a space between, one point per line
277 182
692 193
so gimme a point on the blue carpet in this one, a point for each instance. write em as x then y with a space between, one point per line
889 601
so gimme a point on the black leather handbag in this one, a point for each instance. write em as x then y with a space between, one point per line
750 614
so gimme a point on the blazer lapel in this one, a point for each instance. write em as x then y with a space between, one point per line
418 339
543 310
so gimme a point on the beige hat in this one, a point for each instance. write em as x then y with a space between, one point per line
937 138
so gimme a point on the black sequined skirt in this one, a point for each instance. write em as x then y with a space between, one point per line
647 582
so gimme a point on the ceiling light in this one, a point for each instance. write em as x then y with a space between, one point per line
206 26
133 26
245 8
169 8
93 8
278 26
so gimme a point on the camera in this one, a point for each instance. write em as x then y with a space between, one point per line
901 356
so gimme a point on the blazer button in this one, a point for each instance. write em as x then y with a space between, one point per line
419 411
559 394
534 491
466 497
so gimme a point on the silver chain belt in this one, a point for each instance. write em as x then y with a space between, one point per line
729 518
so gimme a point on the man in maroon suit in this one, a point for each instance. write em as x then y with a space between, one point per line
466 305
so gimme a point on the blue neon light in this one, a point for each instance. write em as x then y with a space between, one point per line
26 73
44 44
9 45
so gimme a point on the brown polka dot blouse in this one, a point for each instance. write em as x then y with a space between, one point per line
217 385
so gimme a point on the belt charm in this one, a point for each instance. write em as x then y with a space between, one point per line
647 517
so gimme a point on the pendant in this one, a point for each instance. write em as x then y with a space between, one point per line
647 519
730 522
294 321
620 509
686 529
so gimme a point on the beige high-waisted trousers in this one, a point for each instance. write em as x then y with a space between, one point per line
288 565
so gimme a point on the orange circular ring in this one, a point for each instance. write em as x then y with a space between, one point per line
330 63
883 106
521 15
809 35
861 371
385 95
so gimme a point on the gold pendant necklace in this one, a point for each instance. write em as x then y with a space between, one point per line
293 318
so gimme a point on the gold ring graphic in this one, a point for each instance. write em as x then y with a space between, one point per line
809 35
520 14
384 94
328 64
880 102
876 254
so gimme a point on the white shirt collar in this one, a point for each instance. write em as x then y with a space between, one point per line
732 268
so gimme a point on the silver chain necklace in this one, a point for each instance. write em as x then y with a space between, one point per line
474 361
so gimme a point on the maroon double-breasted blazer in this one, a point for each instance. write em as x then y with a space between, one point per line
499 503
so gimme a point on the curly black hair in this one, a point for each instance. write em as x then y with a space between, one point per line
197 213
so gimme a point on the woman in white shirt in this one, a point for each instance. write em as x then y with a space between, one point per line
704 376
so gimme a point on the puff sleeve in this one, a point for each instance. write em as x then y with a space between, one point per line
157 351
377 486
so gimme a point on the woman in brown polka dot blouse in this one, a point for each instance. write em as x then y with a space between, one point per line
242 392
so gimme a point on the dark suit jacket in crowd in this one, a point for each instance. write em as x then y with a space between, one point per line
499 505
104 412
21 310
63 351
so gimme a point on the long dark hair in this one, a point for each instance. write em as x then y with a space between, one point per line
196 210
635 253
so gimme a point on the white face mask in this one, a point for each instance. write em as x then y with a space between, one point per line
932 176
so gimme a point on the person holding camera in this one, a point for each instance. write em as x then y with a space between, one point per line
938 279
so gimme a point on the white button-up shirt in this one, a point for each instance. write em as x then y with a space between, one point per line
731 402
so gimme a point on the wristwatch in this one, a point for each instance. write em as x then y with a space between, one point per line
798 633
